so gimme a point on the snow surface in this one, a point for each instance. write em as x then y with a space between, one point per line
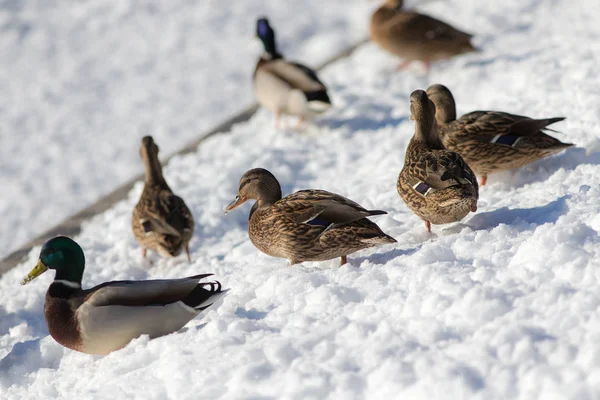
82 81
503 305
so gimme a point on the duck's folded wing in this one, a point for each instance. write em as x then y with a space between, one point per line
315 195
179 216
447 168
142 293
486 124
502 128
529 126
308 72
308 205
297 76
168 215
422 26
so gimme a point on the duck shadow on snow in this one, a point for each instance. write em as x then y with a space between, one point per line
383 258
34 319
548 213
195 328
250 314
543 169
361 122
23 359
508 58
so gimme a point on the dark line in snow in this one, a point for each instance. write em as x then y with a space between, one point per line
72 225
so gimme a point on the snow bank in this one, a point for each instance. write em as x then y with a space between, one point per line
503 305
82 82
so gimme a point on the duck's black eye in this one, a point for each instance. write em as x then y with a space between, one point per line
50 251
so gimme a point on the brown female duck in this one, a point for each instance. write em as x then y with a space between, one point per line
161 221
492 141
309 225
108 316
416 37
435 183
286 87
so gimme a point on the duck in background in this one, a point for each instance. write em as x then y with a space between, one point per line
161 221
308 225
416 37
435 183
108 316
286 87
492 141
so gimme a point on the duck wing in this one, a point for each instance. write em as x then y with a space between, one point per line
114 313
503 128
423 27
165 213
144 293
323 208
439 170
297 76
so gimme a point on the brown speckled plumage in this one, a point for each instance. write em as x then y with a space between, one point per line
161 221
413 36
309 225
435 183
472 135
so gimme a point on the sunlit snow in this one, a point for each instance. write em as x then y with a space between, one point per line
503 305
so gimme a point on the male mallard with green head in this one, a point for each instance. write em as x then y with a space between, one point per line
286 87
416 37
309 225
492 141
161 221
435 183
108 316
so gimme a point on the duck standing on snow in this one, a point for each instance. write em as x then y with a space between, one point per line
286 87
416 37
161 221
309 225
435 183
108 316
492 141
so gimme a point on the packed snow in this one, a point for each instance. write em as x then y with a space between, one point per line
503 305
82 82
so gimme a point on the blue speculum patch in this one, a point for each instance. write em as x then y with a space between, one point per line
319 222
506 140
422 188
147 226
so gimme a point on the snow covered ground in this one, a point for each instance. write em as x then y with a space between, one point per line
82 82
503 305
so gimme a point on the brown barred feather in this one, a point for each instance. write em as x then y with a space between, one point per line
286 228
472 135
452 189
161 221
415 36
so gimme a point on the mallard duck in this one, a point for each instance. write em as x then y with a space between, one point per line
309 225
108 316
416 37
435 183
161 221
286 87
491 141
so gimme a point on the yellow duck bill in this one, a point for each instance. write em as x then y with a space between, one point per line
39 269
